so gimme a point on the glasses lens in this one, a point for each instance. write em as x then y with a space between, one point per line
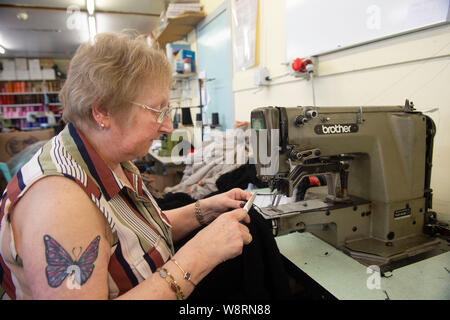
164 112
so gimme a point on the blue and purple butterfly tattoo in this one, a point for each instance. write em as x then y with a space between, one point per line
61 264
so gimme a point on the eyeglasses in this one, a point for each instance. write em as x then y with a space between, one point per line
162 113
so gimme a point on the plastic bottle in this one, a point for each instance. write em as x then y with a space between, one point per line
187 65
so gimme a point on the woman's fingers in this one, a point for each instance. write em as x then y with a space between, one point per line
241 215
246 235
236 204
239 194
224 238
236 198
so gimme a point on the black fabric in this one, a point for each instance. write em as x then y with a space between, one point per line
174 200
257 274
239 178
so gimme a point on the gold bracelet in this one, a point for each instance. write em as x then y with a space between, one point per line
186 275
172 283
198 214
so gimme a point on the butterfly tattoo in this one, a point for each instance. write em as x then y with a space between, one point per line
61 264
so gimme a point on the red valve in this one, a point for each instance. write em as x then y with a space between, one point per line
299 65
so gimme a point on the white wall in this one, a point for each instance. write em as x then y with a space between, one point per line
413 66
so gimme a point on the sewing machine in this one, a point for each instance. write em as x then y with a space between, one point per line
377 163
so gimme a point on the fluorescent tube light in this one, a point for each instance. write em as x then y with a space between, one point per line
92 28
90 6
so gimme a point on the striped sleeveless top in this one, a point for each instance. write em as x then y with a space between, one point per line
141 232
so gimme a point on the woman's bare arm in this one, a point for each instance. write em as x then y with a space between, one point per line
55 218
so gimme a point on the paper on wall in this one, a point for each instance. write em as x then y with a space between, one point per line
244 16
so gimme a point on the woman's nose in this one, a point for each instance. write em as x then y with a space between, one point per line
166 125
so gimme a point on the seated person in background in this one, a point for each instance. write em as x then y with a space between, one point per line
77 221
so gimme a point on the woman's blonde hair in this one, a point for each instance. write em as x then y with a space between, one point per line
111 72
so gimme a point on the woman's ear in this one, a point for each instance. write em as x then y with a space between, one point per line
101 116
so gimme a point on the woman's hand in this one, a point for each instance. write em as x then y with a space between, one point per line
214 206
221 240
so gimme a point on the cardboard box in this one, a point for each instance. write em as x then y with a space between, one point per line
34 68
173 48
186 54
12 143
48 74
21 64
8 71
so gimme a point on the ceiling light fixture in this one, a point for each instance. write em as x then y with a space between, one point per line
22 16
90 5
92 28
2 50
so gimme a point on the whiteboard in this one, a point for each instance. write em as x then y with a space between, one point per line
315 27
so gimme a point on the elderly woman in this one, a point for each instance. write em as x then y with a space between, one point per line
77 221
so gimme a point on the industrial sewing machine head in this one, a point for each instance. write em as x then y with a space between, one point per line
377 164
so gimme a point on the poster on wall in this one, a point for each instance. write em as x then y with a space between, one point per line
244 15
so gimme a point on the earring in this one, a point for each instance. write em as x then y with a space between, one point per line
102 126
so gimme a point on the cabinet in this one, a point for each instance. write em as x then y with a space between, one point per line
19 98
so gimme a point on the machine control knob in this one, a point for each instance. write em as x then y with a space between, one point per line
294 155
311 114
300 120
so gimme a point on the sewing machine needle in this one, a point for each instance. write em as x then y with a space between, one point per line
276 199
